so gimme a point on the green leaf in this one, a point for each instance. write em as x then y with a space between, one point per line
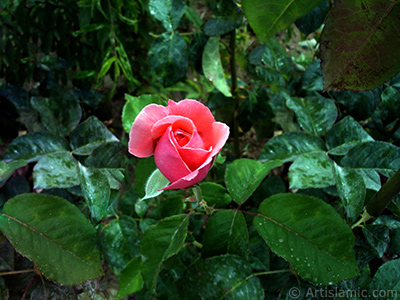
119 242
160 242
290 145
7 169
215 194
55 235
226 233
171 206
314 19
345 135
311 170
106 66
231 19
134 106
109 155
267 18
377 236
312 79
212 66
352 190
168 12
168 58
220 277
314 114
96 190
56 170
143 170
58 115
379 156
390 104
89 135
155 182
33 146
387 279
243 176
360 58
310 235
130 280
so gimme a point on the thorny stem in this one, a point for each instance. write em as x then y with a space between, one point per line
232 47
381 199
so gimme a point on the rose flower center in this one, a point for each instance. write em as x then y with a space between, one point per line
182 137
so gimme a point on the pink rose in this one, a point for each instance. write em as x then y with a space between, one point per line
184 138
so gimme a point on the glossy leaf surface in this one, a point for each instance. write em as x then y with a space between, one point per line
154 183
311 170
310 235
220 277
168 58
96 190
289 146
89 135
130 280
212 66
314 114
226 233
158 243
168 12
243 176
387 279
267 18
345 135
352 190
358 51
56 170
33 145
55 235
60 115
215 194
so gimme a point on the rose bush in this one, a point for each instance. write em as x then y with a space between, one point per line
184 138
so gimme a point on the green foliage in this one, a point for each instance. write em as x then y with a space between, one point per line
287 204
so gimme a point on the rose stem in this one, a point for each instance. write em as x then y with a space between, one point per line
381 199
232 46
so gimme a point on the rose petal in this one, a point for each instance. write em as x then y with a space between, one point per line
190 179
178 121
168 160
193 153
217 137
195 111
141 143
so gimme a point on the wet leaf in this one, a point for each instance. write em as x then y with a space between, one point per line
289 146
215 194
168 58
7 169
377 236
358 51
96 190
212 66
33 146
267 18
130 280
220 277
314 114
243 176
60 115
311 170
309 234
89 135
374 156
55 235
226 233
160 242
352 190
168 12
387 279
56 170
345 135
119 242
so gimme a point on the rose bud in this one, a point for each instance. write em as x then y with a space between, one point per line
184 138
